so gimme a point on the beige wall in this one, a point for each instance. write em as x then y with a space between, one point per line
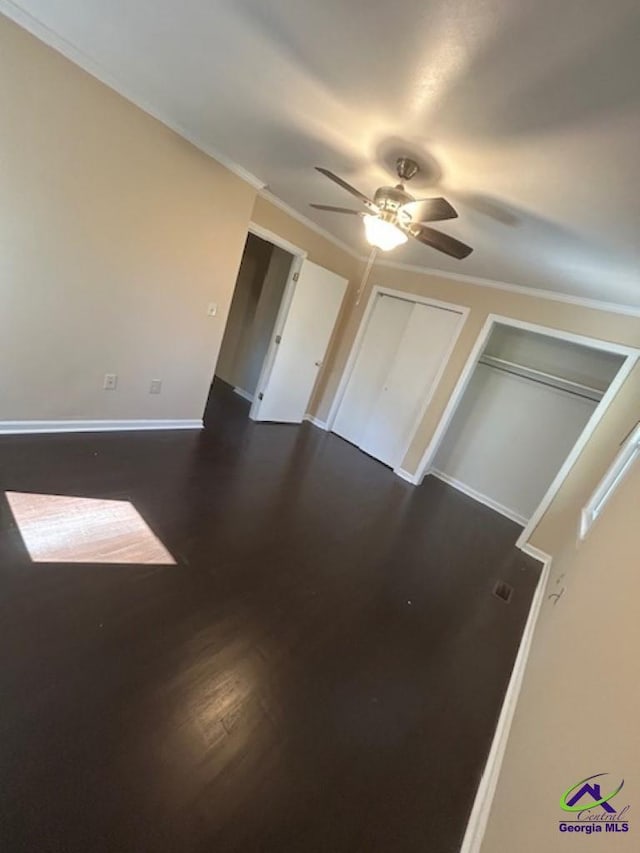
116 234
114 240
579 707
483 301
580 703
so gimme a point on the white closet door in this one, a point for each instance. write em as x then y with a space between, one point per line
409 381
386 326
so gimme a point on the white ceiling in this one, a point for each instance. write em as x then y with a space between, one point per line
528 109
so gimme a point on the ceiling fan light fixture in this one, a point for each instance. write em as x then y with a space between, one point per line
395 215
382 234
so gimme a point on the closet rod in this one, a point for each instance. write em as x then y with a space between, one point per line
543 378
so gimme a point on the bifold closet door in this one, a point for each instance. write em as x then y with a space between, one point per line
402 351
408 383
387 323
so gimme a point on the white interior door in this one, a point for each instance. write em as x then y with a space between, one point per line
303 340
423 347
402 352
386 326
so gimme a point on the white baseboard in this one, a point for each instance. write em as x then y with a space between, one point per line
405 475
316 422
477 825
35 427
477 496
532 551
244 394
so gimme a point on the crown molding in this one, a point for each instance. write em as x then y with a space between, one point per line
73 53
78 57
309 223
523 290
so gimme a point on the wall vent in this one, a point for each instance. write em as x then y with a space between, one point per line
503 591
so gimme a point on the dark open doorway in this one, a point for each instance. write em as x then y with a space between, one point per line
260 286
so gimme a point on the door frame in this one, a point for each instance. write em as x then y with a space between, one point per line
299 257
631 355
376 291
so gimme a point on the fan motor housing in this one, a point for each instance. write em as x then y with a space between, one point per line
391 199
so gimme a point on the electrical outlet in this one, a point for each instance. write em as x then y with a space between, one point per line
110 382
156 386
212 309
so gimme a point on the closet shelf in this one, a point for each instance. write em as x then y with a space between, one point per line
543 378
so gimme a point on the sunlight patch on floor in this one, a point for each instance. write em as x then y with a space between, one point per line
59 529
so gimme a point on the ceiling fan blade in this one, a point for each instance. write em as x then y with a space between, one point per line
430 210
441 242
345 186
333 209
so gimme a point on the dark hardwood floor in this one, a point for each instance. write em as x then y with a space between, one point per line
321 671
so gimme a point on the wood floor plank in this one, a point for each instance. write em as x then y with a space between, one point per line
321 670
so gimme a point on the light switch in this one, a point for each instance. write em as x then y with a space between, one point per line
110 382
212 309
156 386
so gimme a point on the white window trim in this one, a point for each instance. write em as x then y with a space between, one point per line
611 480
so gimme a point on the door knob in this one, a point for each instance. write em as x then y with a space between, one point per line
318 364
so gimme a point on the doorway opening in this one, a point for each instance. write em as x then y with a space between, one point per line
282 318
260 287
527 402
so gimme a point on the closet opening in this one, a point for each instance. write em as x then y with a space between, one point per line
525 406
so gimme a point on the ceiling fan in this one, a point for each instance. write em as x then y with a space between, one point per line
394 215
